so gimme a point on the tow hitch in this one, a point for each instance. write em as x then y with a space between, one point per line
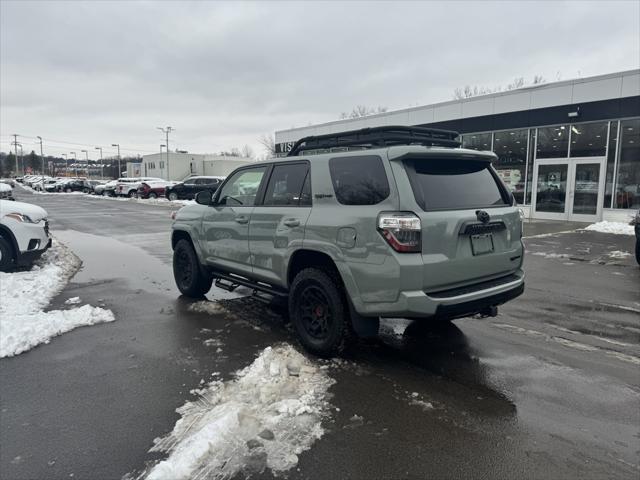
491 311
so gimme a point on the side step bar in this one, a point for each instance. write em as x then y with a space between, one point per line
230 282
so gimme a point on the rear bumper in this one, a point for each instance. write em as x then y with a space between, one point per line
450 304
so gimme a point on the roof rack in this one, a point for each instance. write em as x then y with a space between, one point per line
376 137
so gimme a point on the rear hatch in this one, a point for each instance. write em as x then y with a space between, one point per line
470 229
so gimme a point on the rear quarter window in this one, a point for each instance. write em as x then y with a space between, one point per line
452 184
359 180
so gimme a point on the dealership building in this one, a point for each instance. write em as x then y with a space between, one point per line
568 150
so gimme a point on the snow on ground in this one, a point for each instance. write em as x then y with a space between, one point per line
611 227
264 418
24 295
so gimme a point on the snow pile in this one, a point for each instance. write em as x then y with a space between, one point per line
23 296
263 419
618 228
205 306
618 254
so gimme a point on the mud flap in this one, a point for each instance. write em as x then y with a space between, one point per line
364 327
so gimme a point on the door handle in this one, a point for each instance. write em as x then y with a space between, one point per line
292 222
242 219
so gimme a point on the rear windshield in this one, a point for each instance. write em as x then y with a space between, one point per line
450 184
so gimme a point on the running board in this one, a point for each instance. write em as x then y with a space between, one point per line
230 282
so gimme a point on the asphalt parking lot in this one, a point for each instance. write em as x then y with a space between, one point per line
548 389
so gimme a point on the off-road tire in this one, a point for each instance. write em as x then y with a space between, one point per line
6 256
187 272
327 288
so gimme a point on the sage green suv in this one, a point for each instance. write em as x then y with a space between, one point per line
400 222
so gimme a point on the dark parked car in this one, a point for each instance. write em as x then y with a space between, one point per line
188 189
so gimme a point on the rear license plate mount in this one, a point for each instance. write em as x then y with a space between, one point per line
482 244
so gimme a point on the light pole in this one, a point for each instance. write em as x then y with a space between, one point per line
119 169
161 147
15 142
41 155
166 131
86 153
21 159
75 162
101 166
66 164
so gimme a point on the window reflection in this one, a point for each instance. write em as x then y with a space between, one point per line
553 142
611 159
627 193
511 148
589 139
477 141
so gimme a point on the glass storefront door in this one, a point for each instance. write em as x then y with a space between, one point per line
568 189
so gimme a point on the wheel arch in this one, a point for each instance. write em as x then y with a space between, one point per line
7 234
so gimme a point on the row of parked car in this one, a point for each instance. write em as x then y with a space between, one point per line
140 187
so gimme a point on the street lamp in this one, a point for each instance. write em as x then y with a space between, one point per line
66 164
75 162
166 131
162 145
41 154
101 166
119 169
86 153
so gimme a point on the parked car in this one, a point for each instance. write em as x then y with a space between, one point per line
46 185
348 237
128 187
188 189
108 189
24 234
153 189
6 191
72 185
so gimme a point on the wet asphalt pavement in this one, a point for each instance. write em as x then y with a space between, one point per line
548 389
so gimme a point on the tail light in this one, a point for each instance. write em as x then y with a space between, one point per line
401 230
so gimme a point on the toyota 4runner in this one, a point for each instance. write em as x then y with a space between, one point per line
400 223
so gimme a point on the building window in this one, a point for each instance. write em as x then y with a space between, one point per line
161 165
477 141
589 140
611 160
531 156
553 142
511 148
627 192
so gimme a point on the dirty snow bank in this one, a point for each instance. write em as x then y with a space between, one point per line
618 228
264 418
23 296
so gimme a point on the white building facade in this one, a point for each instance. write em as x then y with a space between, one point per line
568 150
178 166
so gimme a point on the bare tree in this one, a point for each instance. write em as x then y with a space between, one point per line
518 82
268 142
247 151
360 111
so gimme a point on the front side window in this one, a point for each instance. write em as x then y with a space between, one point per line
359 180
454 184
191 181
242 187
511 148
553 142
628 179
286 184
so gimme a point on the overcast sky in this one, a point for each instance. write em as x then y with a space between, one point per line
223 74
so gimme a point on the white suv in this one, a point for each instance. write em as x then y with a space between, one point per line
24 234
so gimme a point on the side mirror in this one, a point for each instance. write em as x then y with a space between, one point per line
205 197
